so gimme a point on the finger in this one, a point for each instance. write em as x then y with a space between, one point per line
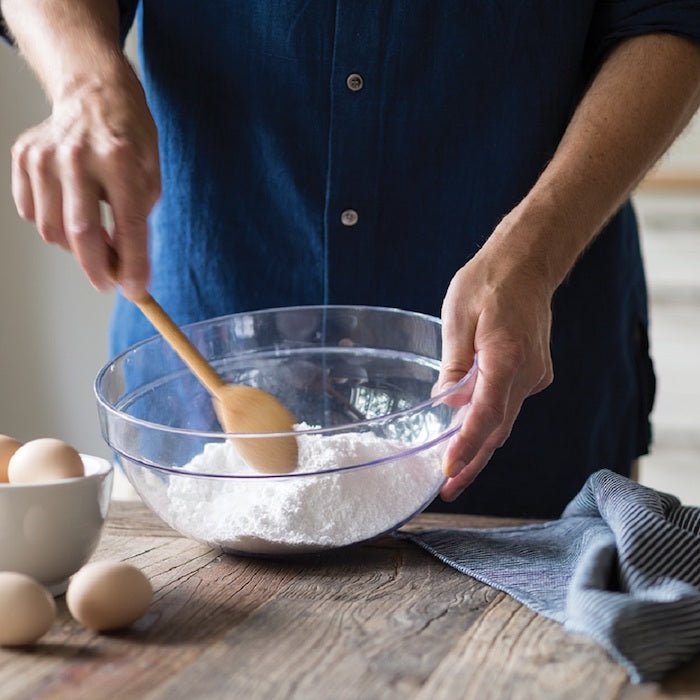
83 226
452 372
457 352
454 461
456 485
130 237
461 391
132 187
47 196
22 188
463 474
485 425
458 360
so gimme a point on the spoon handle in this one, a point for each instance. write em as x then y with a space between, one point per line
181 344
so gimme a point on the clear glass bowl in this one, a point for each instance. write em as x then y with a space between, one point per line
371 436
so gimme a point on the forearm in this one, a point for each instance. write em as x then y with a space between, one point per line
67 43
99 144
498 305
640 100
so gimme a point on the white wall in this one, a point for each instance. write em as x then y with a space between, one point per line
53 324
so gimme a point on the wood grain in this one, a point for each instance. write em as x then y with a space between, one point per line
384 620
537 659
351 626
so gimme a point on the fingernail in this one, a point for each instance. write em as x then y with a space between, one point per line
451 470
452 497
103 286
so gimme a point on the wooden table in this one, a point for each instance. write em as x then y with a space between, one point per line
384 620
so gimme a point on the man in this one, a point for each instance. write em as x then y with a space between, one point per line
464 157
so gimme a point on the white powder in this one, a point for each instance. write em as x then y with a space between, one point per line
303 513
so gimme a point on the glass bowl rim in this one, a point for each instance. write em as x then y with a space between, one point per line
150 425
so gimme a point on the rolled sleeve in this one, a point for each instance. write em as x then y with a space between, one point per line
615 20
127 11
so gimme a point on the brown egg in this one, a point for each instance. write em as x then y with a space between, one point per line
8 446
46 459
27 610
108 595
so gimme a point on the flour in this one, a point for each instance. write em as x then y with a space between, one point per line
303 513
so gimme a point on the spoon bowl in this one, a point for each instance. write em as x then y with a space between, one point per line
246 409
239 408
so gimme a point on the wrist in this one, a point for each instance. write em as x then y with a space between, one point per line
67 43
81 78
543 235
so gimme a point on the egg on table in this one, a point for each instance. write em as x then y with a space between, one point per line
27 609
42 460
108 595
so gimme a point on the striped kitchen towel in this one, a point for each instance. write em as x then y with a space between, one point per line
621 565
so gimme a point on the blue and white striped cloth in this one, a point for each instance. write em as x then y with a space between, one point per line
622 565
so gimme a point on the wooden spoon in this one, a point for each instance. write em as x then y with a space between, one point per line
240 408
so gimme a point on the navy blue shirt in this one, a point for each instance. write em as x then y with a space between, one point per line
361 151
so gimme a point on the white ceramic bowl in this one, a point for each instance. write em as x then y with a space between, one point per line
48 531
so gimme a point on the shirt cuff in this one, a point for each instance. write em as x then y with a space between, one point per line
615 20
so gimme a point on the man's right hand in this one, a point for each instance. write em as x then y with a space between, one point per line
99 144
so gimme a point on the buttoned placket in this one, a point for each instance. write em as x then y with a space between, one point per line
354 145
355 83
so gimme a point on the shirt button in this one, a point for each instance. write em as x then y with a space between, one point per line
354 82
349 217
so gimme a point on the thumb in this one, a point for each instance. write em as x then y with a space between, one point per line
130 240
450 375
458 360
458 334
466 379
